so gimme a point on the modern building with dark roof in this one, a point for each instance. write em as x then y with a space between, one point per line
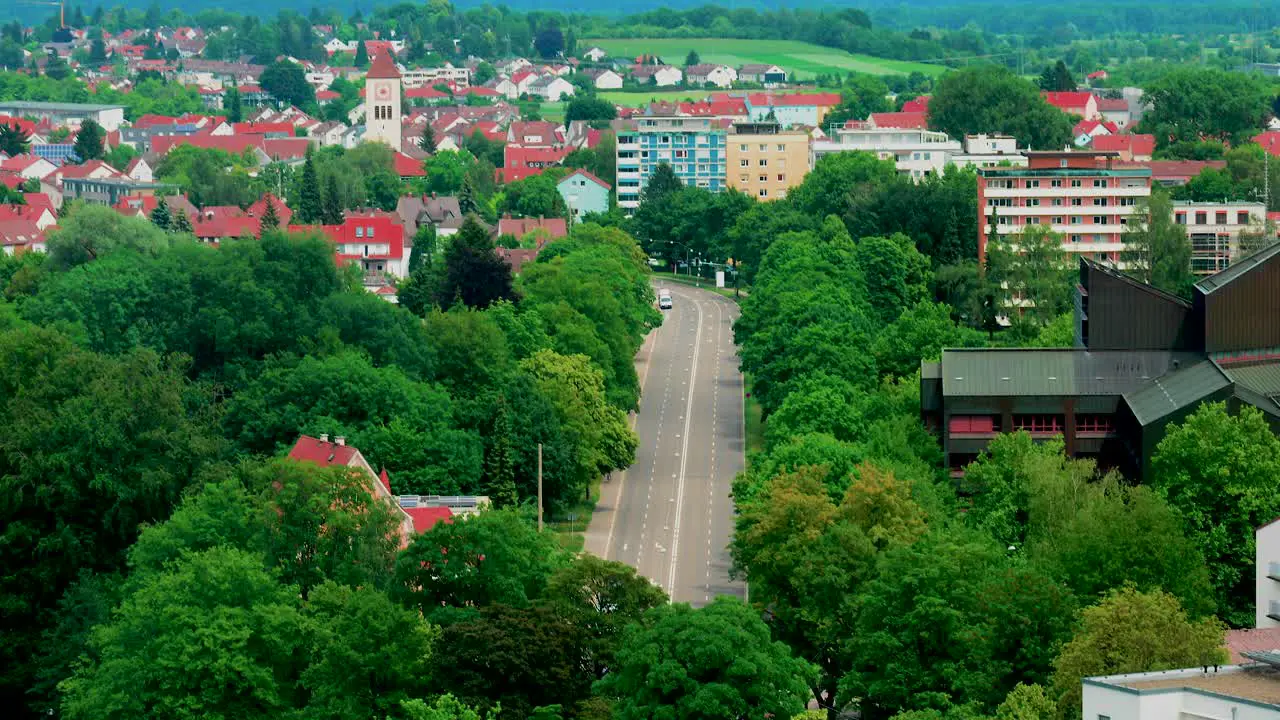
1142 359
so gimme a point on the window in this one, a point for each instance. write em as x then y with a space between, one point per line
1033 183
368 232
764 162
682 154
1075 238
1033 221
763 193
743 177
764 147
1055 183
359 232
1202 218
915 156
1094 423
1242 218
742 147
1099 219
1057 220
1099 202
973 424
764 178
1057 202
1076 183
1038 423
1062 163
782 177
1099 183
744 162
1220 217
1033 202
1076 220
1180 218
1127 201
782 148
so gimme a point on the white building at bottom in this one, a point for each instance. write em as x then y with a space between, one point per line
1232 692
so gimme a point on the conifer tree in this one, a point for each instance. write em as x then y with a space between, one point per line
331 210
310 205
362 55
428 141
160 216
270 219
181 223
500 472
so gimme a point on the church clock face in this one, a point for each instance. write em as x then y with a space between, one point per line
383 92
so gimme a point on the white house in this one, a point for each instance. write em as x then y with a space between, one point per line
513 66
721 76
595 54
336 46
1238 692
551 88
139 170
657 75
604 79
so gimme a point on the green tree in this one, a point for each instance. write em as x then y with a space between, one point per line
232 104
270 220
1130 631
897 274
826 190
177 646
692 58
160 216
714 662
1033 273
446 170
445 707
287 83
89 141
427 143
549 42
311 206
331 208
1157 250
661 182
495 557
499 463
362 55
182 223
590 109
98 51
1190 104
1026 702
13 140
1222 472
988 98
95 231
1057 78
472 273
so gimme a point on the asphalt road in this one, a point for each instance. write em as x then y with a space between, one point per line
670 515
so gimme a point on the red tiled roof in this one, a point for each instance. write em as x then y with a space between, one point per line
903 120
425 518
424 93
1113 105
920 104
85 170
1139 145
793 99
262 128
588 176
25 126
385 479
18 163
289 148
1086 127
259 208
517 257
477 90
324 454
11 180
236 144
1067 100
382 67
323 95
1251 639
519 227
408 167
521 162
518 77
1096 74
1270 141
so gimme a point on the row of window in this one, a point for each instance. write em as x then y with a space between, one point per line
381 112
1061 202
1219 217
764 162
1033 423
1071 220
1012 184
744 177
764 147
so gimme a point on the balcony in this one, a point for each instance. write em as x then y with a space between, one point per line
1041 192
1273 610
1273 571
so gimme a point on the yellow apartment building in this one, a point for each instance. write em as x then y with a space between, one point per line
764 161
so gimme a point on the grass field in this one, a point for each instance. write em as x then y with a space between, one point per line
802 60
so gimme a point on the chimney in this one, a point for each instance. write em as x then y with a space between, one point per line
324 437
341 440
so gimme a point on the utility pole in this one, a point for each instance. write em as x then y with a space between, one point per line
539 487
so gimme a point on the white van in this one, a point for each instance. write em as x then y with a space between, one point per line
664 299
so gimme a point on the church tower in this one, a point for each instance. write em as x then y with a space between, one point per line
382 102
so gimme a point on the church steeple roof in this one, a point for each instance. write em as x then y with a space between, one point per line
382 68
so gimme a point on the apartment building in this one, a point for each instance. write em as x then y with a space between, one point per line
982 151
459 77
916 152
1214 230
694 148
1081 195
765 161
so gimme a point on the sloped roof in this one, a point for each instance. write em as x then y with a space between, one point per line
1067 99
1237 269
1180 389
324 454
588 176
1135 144
1055 372
425 518
907 120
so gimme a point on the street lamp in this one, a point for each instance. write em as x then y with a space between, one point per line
687 253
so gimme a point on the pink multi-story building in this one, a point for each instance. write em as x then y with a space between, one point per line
1084 196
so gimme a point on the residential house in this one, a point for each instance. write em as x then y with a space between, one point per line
765 161
603 78
141 206
919 104
320 451
549 228
138 169
657 75
595 54
20 235
1129 147
791 108
1086 130
760 74
28 166
535 133
442 212
328 133
584 193
551 88
1081 104
374 241
109 191
1096 76
1115 110
721 76
983 150
522 161
41 216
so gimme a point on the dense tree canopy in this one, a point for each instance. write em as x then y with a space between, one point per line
987 99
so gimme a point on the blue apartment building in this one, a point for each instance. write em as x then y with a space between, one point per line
694 147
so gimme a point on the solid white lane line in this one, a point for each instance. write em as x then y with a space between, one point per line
684 457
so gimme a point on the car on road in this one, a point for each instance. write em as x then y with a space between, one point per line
664 299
